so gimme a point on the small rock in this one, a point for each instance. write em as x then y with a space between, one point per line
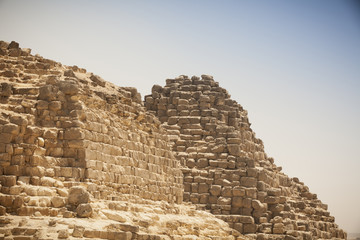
78 231
63 233
69 73
52 223
84 210
68 214
37 214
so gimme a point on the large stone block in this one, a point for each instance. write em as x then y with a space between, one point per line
215 190
237 202
78 195
74 133
248 181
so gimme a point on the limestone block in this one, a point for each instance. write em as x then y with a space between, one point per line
15 190
252 172
271 200
74 133
226 191
68 87
278 228
13 170
274 192
6 137
224 201
215 190
247 202
234 149
218 148
57 202
8 181
203 188
63 234
194 187
248 181
62 192
237 202
249 228
14 52
11 128
113 215
84 210
13 45
19 120
257 205
78 231
42 105
122 235
55 105
78 195
202 163
238 191
98 80
45 191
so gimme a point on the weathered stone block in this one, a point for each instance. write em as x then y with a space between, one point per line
10 128
238 191
8 181
6 137
74 133
78 231
237 202
215 190
248 181
226 191
249 228
203 188
224 201
84 210
78 195
57 202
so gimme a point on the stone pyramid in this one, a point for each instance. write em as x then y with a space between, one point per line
83 158
226 170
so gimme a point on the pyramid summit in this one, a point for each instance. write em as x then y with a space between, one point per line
83 158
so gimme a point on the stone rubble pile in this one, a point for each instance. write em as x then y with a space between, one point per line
226 170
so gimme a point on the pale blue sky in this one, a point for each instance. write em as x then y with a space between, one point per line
294 65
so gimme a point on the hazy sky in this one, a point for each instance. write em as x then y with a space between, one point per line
294 65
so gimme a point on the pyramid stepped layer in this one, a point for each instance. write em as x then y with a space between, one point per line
226 170
82 158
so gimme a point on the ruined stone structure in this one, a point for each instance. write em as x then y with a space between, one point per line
226 169
81 157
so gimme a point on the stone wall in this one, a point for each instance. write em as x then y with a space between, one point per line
61 126
226 169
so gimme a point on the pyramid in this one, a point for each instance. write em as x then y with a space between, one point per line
226 170
83 158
